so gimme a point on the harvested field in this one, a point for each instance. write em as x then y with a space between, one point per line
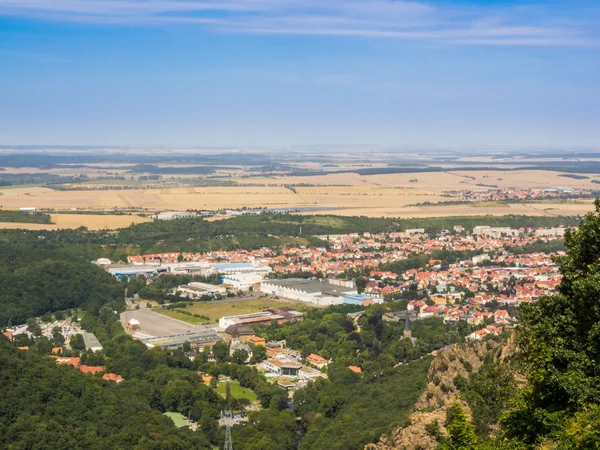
371 195
90 221
528 209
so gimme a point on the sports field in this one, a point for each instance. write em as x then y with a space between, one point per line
215 310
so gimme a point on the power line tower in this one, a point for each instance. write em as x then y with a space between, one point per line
228 417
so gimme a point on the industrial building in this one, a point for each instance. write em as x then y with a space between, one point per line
196 290
361 299
198 339
280 315
309 291
91 342
242 281
120 270
237 268
170 215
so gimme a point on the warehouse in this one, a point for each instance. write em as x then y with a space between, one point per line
237 268
198 339
242 281
309 291
196 290
280 315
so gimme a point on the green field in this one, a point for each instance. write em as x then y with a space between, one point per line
216 310
236 391
178 419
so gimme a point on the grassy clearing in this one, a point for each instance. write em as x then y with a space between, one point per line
216 310
177 418
236 391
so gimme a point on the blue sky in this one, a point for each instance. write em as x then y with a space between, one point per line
300 72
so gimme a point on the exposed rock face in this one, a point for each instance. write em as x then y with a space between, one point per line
440 393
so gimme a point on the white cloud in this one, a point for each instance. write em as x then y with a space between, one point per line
408 20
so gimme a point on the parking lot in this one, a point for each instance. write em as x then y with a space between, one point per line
153 324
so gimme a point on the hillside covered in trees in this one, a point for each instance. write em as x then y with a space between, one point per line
36 278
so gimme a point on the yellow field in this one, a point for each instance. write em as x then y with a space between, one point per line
90 221
372 195
528 209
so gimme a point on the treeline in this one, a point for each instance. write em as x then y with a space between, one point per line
187 170
24 217
245 232
540 246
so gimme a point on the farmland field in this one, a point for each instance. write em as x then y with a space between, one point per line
389 195
216 310
90 221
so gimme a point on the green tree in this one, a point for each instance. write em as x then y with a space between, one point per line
240 356
76 342
220 351
34 327
58 337
227 392
259 354
461 431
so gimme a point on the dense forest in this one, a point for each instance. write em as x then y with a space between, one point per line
48 406
35 279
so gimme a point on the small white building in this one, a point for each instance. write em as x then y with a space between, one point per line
170 215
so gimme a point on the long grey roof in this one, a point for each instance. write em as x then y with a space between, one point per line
311 286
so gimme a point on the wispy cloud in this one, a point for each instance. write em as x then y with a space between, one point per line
407 20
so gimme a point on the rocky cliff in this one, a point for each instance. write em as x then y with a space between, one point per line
440 393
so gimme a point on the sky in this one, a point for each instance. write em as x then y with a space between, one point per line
284 73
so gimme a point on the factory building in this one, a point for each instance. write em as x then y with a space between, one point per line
309 291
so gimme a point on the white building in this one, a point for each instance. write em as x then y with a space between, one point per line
309 291
494 232
242 281
412 231
551 232
170 215
282 368
197 290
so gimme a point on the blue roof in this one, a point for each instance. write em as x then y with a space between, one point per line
358 296
232 266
